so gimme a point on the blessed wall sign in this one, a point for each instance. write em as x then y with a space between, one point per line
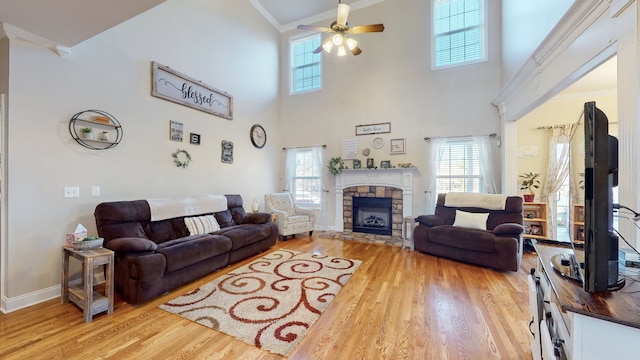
171 85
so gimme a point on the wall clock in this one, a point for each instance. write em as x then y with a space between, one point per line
258 136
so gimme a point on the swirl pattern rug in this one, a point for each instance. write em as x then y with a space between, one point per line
271 302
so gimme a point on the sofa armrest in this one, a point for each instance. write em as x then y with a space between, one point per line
257 218
430 220
303 211
131 244
508 228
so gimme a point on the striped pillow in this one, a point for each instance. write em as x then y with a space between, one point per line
201 224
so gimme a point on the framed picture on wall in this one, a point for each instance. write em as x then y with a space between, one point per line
357 164
397 146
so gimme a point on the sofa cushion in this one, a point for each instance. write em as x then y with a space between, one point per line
247 234
257 218
198 225
225 218
187 251
463 238
471 220
131 244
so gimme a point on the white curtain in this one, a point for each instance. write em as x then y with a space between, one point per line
318 158
434 156
485 154
558 170
289 169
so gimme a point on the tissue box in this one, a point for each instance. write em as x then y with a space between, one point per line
75 237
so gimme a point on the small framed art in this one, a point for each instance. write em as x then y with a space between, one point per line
385 164
397 146
357 164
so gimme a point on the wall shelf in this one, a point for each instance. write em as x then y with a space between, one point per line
107 124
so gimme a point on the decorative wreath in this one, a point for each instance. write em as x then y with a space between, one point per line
336 165
181 163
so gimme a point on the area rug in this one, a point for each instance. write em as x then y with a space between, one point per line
271 302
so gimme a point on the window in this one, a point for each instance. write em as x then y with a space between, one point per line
305 176
458 167
306 67
458 32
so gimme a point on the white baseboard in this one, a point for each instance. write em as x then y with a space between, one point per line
8 305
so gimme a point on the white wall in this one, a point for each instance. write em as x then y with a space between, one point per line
525 23
225 44
392 81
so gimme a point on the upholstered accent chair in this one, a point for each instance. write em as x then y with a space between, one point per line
291 218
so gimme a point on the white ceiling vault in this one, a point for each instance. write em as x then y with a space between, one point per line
62 24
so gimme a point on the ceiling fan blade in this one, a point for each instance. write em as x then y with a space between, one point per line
356 50
316 28
343 14
366 29
318 50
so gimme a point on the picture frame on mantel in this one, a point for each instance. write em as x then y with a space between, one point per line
170 85
397 146
371 129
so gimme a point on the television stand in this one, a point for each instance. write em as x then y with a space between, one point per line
581 325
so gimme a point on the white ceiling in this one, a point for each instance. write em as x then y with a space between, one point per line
68 22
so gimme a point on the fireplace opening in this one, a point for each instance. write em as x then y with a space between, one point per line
372 215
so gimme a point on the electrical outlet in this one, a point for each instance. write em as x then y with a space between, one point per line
71 192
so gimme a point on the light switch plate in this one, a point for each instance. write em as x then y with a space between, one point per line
95 191
71 192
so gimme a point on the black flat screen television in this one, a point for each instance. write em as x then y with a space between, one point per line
595 262
600 269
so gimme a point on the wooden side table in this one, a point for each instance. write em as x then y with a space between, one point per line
84 295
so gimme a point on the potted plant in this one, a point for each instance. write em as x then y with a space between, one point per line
87 133
529 182
336 165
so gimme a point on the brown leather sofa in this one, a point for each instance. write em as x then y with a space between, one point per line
499 246
153 257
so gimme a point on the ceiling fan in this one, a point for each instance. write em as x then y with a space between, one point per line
340 33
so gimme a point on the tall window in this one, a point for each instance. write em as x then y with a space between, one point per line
306 67
458 167
458 32
304 176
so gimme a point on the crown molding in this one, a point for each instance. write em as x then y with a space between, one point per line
15 33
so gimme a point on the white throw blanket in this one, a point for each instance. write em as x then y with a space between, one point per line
169 208
477 200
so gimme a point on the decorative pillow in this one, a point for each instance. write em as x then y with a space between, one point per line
471 220
198 225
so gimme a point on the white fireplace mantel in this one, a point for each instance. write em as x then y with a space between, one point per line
401 178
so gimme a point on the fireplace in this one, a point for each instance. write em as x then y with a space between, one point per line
372 215
394 183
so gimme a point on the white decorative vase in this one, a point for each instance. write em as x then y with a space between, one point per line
256 205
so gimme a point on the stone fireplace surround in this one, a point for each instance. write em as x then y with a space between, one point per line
396 183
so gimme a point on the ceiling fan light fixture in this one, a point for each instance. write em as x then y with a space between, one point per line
351 43
337 39
342 51
343 13
327 45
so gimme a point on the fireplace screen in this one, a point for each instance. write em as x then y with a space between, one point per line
372 215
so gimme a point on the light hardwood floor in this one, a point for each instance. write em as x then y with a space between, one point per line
398 305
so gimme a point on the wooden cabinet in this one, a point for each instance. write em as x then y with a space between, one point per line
577 224
536 225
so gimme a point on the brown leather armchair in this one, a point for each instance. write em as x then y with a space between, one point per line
499 246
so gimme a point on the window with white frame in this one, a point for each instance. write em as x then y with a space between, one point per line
306 67
306 177
459 32
458 167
